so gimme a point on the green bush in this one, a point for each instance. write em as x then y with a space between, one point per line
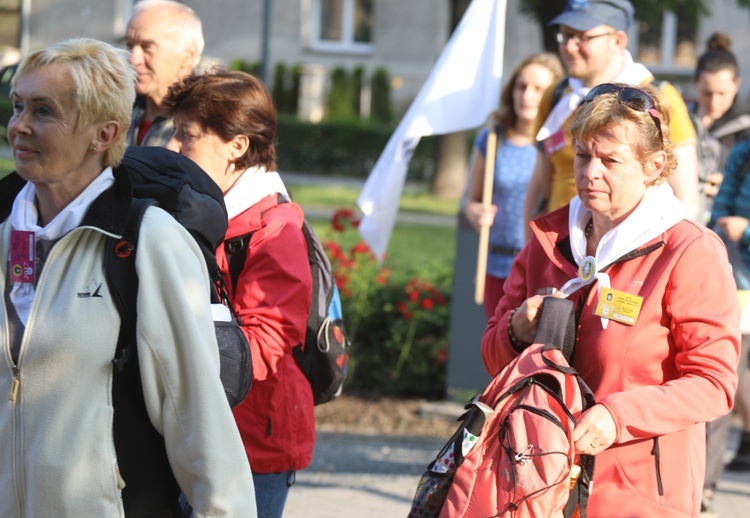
341 95
357 84
278 91
251 67
293 92
380 85
344 148
398 326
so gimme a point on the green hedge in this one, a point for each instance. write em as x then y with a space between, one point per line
346 148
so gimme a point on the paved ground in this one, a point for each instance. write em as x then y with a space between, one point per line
366 476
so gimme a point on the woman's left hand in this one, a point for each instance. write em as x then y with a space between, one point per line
595 431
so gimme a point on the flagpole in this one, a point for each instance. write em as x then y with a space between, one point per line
484 229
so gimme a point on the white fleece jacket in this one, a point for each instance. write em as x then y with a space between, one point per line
57 455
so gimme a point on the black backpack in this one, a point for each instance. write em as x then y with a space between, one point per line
324 357
180 187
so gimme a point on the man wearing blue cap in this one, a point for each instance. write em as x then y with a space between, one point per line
593 42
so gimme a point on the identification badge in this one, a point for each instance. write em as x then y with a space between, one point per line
554 142
22 256
619 306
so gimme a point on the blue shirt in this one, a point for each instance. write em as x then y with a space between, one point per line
513 167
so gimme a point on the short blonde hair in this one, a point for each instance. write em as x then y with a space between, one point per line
606 110
104 84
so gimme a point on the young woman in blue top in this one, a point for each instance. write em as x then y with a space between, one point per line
514 162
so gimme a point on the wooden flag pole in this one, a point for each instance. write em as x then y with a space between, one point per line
484 230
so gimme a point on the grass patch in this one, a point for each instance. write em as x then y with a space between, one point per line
335 196
413 248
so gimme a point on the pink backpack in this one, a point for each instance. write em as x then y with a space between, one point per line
513 454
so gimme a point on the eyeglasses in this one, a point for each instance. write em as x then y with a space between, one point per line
579 39
633 98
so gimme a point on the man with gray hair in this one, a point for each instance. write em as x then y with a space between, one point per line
165 39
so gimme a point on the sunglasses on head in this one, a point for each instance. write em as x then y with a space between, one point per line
633 98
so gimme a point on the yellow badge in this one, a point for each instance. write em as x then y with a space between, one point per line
619 306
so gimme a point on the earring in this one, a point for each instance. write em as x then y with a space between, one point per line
231 168
92 149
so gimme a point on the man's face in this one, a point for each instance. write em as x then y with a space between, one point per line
587 53
156 52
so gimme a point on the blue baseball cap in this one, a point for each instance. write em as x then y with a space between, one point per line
584 15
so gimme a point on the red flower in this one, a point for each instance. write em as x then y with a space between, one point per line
440 356
361 248
413 296
427 304
342 281
341 216
402 308
383 276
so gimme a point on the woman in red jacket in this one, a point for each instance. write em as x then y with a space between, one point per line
226 123
658 317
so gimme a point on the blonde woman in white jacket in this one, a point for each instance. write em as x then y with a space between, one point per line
59 326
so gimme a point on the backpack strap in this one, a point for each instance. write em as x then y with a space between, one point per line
235 249
151 489
557 326
122 280
557 93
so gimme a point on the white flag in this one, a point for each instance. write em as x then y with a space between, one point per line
461 91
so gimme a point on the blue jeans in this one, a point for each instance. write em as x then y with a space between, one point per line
271 490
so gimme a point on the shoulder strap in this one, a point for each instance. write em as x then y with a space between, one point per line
122 280
739 123
557 326
235 249
557 93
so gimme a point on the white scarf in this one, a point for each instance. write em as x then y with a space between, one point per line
658 211
632 73
24 216
254 185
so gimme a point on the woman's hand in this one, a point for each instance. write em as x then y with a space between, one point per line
595 431
526 317
733 226
478 215
711 187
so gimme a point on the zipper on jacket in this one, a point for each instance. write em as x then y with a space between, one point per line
120 481
15 384
655 453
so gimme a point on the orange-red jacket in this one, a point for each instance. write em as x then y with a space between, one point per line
661 378
273 297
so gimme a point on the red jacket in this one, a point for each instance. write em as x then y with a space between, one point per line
273 298
662 378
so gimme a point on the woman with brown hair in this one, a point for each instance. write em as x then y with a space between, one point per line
514 163
226 123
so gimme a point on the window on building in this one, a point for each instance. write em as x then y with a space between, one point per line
10 23
667 42
342 25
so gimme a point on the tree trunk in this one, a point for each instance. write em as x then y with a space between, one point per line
450 169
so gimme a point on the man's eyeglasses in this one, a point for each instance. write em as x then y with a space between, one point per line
579 39
633 98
